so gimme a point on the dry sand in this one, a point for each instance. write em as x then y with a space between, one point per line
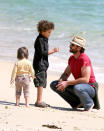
60 114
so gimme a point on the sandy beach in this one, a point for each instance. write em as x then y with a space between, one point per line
59 115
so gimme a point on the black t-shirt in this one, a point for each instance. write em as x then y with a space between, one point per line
40 60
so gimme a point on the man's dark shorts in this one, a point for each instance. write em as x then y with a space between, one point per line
41 79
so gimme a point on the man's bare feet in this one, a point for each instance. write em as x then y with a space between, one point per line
80 105
89 109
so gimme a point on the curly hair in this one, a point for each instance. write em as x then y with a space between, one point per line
44 25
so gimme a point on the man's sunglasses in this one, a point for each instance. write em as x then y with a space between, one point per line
72 44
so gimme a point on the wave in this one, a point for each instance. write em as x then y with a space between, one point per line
17 28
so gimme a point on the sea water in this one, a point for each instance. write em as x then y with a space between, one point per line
18 27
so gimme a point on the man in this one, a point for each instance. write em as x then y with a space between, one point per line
79 92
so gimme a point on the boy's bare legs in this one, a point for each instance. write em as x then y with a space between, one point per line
39 94
39 102
17 100
27 101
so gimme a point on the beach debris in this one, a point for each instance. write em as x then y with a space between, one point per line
76 129
52 126
6 107
6 122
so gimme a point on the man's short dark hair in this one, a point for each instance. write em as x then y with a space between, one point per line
44 25
22 53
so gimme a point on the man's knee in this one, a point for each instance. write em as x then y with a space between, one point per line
53 85
77 89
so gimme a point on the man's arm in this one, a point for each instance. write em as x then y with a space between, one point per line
66 74
85 71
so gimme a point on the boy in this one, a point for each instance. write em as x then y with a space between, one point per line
40 60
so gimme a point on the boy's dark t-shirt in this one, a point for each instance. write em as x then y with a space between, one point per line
40 60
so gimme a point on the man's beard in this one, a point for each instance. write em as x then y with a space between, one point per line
73 51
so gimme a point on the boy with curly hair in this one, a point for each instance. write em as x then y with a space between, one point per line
40 60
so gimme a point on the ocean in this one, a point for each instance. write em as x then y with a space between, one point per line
18 27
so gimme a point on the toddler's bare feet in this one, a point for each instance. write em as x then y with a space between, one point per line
16 104
27 106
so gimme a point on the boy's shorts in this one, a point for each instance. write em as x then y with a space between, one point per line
22 81
41 79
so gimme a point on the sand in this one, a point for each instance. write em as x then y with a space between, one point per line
59 115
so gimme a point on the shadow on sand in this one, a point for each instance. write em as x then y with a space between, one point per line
64 108
53 107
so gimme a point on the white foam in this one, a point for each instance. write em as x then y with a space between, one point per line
57 64
61 35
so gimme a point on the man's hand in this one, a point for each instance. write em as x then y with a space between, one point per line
62 85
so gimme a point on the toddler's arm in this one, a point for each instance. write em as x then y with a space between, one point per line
11 81
13 75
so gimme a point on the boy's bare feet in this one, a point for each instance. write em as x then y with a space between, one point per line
42 105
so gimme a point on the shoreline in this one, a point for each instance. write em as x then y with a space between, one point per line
56 67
